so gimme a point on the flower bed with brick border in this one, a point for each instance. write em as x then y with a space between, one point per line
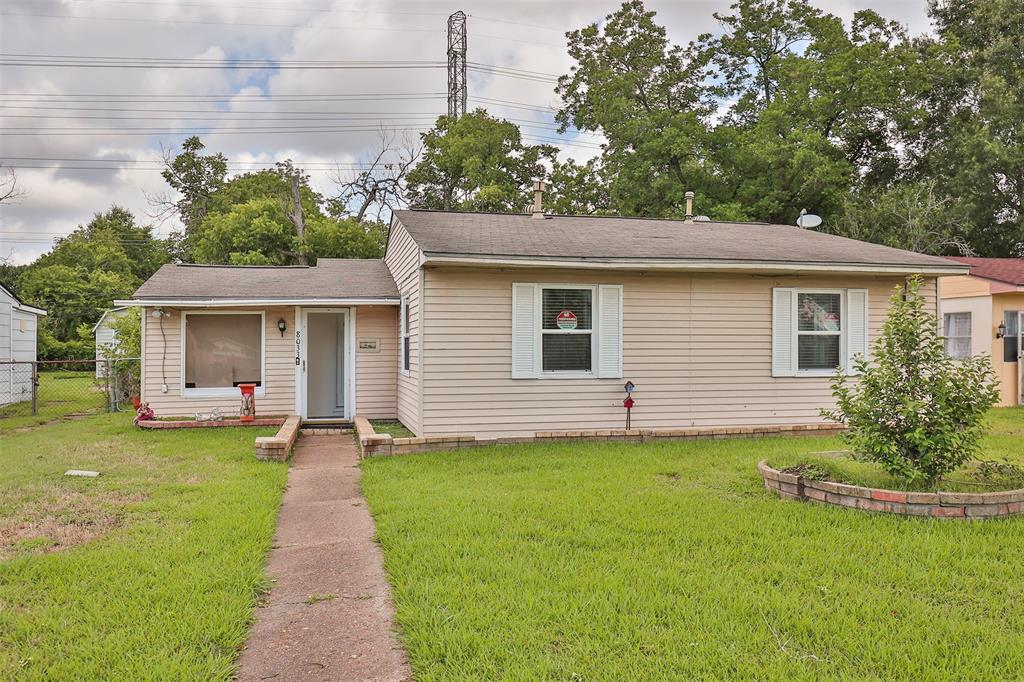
193 424
936 505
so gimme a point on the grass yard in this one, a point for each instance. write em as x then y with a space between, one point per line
61 393
150 571
670 561
393 428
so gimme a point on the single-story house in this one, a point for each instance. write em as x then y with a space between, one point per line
19 324
497 325
106 336
983 312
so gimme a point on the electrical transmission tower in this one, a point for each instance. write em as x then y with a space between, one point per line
457 90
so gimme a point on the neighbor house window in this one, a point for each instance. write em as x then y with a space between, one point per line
819 330
404 323
222 351
957 330
1011 319
567 328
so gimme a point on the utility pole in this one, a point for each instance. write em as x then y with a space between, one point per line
457 90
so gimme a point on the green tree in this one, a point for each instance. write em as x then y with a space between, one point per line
196 178
971 137
256 232
476 163
914 410
106 259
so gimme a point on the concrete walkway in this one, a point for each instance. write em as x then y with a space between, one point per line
329 615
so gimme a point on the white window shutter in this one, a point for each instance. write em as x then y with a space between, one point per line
783 333
856 325
609 327
524 331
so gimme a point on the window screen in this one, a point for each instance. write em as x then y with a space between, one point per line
819 330
567 330
223 351
957 330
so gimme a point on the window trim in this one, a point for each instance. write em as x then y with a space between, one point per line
843 332
404 336
230 391
539 333
969 337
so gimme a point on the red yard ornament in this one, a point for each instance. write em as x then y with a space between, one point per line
248 411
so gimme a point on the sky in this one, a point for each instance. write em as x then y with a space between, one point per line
89 105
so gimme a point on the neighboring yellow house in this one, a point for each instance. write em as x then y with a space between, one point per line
983 312
497 325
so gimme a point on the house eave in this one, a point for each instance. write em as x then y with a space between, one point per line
680 265
254 302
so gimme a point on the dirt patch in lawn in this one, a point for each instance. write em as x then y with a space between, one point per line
62 519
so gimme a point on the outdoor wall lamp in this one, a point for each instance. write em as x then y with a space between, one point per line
1001 330
281 326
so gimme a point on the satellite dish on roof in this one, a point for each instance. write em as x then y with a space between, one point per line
701 219
807 219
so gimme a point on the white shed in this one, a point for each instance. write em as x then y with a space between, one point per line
105 337
18 326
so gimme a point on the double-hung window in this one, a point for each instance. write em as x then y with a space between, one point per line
819 330
567 329
222 350
956 327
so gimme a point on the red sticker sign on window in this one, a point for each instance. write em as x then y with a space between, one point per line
566 319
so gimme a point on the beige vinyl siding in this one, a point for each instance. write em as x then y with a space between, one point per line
278 379
376 372
697 346
403 260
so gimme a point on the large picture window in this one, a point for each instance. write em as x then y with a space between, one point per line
567 328
819 330
222 351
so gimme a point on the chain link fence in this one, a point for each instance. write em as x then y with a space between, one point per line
67 387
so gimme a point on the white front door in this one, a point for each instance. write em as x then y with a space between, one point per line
325 368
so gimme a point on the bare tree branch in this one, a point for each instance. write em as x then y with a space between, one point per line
380 188
10 192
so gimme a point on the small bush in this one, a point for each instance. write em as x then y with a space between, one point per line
914 410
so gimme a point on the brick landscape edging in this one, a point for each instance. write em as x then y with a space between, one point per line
936 505
221 423
372 443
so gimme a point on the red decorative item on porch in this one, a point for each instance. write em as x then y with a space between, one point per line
248 411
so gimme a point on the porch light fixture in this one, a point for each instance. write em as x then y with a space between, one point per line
281 326
1001 330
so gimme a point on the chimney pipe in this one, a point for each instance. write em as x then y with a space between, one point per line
689 207
538 198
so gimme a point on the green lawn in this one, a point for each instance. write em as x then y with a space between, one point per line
671 562
393 428
61 394
150 571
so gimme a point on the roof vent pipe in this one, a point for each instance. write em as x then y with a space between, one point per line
538 198
689 207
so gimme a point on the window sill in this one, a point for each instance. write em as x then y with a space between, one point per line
567 375
219 392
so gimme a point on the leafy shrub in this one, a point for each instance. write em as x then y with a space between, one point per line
914 410
1003 474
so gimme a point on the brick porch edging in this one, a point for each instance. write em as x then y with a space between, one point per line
279 446
373 443
936 505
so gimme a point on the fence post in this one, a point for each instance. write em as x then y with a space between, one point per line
107 387
35 389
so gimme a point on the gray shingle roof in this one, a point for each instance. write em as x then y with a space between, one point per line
582 237
330 278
